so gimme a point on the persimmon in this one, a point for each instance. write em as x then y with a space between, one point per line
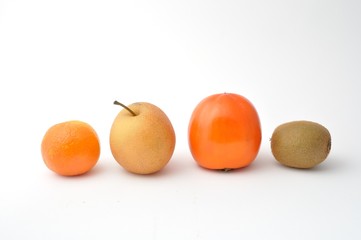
224 132
70 148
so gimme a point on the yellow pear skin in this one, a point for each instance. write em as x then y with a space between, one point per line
142 138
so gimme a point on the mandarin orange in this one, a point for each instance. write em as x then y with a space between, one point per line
70 148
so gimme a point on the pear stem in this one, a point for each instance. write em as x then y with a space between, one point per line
121 104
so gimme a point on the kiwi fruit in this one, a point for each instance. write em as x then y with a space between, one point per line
300 144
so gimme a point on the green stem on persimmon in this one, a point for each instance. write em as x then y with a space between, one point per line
121 104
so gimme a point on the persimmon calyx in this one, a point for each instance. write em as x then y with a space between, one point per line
226 169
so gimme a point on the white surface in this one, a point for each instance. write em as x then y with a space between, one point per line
63 60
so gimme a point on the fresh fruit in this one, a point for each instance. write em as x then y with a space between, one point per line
224 132
142 138
70 148
300 144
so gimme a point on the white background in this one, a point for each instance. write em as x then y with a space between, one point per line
70 59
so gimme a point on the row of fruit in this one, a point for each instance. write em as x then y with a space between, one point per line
224 133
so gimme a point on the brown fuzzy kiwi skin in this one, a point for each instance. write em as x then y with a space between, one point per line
300 144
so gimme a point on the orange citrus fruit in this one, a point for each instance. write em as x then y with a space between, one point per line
70 148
